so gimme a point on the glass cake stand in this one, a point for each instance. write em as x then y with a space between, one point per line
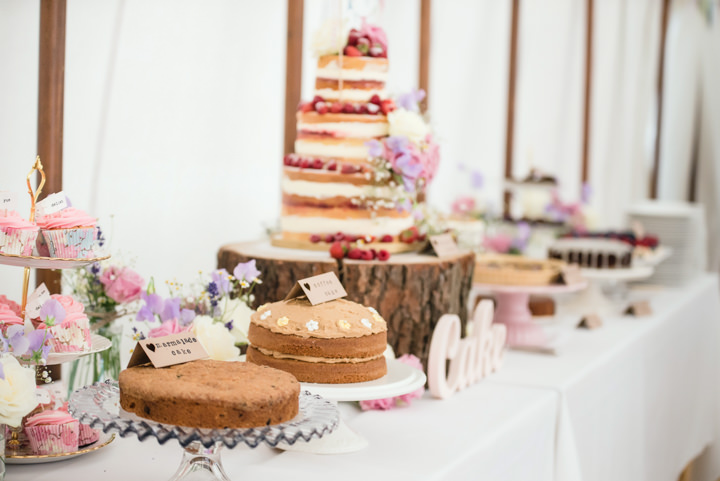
99 406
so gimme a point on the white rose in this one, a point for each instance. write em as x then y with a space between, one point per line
410 124
215 338
330 37
17 391
239 313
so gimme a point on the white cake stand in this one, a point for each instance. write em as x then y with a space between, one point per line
513 310
593 300
400 379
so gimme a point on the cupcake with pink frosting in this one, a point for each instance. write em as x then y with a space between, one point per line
8 317
70 328
52 432
18 235
69 233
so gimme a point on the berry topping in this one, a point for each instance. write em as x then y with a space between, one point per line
353 37
317 164
349 169
372 108
306 107
367 255
348 108
355 253
315 238
337 250
386 238
351 51
332 166
336 107
329 238
375 99
339 236
383 255
387 106
321 108
409 235
317 99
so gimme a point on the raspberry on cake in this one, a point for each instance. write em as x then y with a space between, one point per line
332 343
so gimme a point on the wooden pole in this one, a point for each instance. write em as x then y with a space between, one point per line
424 73
512 81
293 69
51 88
660 85
585 174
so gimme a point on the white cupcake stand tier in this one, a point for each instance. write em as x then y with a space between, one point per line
99 406
17 453
513 310
594 300
400 379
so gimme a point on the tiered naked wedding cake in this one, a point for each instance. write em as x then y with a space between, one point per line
362 160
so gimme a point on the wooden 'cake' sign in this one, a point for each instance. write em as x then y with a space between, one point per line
471 359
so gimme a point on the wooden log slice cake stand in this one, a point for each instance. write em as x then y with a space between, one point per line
411 291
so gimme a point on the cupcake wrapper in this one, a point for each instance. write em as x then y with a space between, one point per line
87 435
53 439
19 241
70 243
71 337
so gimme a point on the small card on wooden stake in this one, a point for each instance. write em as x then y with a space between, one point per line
8 200
639 309
444 245
51 204
570 274
36 300
318 289
590 321
168 350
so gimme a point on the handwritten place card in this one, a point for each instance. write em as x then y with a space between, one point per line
591 321
8 200
51 204
36 300
318 289
168 350
444 245
639 309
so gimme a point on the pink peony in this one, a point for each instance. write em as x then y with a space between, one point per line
69 304
375 34
122 284
389 403
171 326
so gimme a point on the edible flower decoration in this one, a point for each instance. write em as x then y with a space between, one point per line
397 401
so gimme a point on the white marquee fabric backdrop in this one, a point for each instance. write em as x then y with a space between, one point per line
173 109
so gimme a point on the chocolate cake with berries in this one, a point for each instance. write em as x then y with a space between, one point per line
361 159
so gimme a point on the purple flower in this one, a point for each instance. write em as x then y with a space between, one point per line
523 231
476 179
408 166
375 149
229 325
154 302
410 100
145 314
221 279
17 339
397 143
405 206
186 316
37 345
52 312
171 309
247 271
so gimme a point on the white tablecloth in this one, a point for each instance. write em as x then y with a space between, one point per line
638 397
489 431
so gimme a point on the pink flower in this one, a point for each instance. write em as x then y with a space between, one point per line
375 34
171 326
500 244
389 403
463 205
122 284
70 305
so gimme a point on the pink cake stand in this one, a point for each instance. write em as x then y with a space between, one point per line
513 310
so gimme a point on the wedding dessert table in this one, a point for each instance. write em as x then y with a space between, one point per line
633 400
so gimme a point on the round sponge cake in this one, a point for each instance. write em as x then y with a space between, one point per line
334 342
210 394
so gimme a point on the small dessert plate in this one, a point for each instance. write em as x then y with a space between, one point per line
103 441
37 262
99 344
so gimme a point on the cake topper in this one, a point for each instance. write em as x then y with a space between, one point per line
318 289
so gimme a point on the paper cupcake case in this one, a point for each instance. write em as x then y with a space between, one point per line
53 439
19 241
87 435
71 337
77 243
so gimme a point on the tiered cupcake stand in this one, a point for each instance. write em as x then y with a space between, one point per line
99 406
16 453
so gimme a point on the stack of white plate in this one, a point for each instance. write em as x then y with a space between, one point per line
680 226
